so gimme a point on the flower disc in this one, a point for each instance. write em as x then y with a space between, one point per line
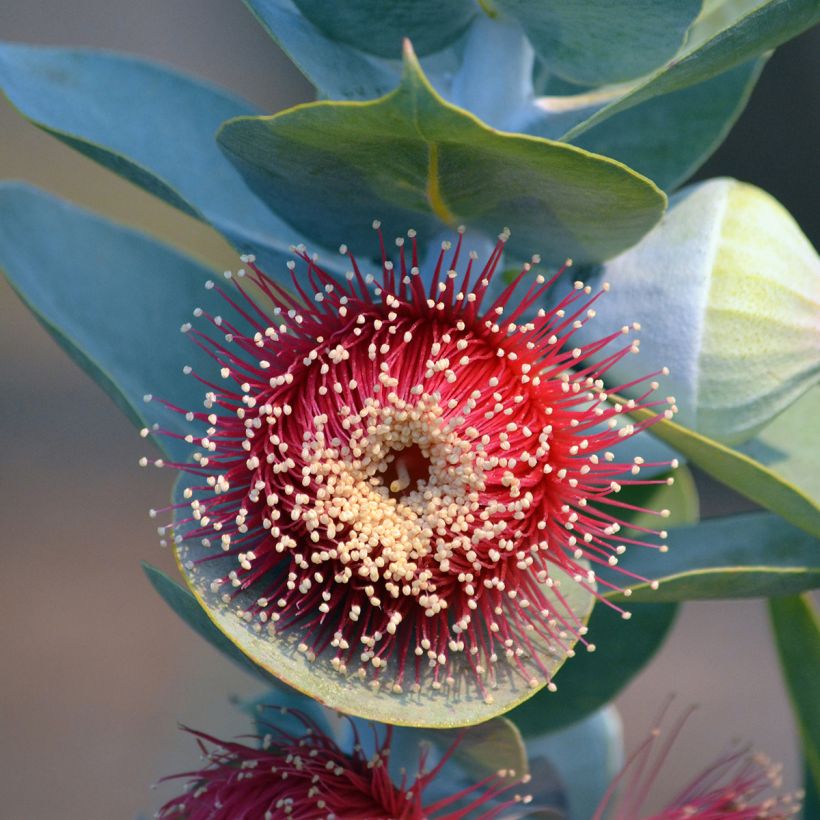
394 517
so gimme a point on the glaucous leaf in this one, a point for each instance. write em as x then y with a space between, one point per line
727 291
667 138
412 160
753 555
751 478
187 607
716 43
602 41
592 679
337 70
789 445
113 299
797 636
586 755
494 76
151 125
375 27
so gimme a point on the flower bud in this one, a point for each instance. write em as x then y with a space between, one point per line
726 289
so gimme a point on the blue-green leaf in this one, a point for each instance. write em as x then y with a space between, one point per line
151 125
603 41
592 679
797 636
763 485
668 137
376 27
337 70
113 298
187 607
413 160
716 44
789 445
586 755
754 555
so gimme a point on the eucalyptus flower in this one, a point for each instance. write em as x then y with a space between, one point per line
308 770
402 485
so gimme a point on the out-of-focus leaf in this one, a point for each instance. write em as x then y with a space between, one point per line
151 125
113 299
587 755
187 607
603 41
667 138
749 477
592 679
715 45
335 69
754 555
789 445
679 499
413 160
375 27
797 636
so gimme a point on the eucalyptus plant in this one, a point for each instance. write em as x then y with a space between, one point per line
438 477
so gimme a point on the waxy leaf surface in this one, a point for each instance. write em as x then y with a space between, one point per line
754 555
797 503
113 299
187 607
337 70
668 137
587 755
716 43
378 28
602 41
151 125
412 160
797 637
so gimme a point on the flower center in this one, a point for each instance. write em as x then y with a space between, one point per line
401 485
405 471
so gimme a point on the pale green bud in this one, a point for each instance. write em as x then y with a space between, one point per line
727 291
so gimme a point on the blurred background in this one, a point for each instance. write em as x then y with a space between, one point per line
96 672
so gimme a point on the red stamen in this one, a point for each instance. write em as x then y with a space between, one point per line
398 474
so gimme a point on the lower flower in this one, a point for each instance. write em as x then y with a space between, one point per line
309 775
740 785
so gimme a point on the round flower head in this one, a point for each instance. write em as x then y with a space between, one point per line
404 491
740 785
309 776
